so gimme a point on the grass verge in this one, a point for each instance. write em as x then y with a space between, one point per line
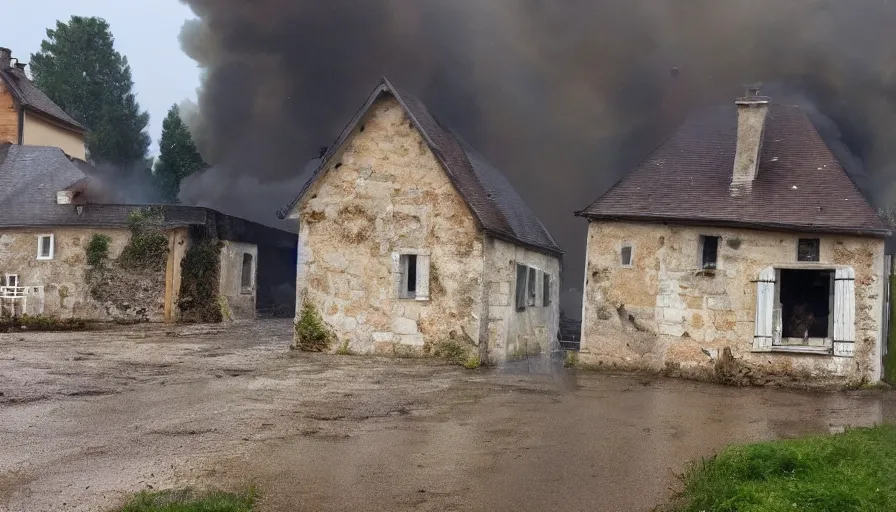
187 500
852 471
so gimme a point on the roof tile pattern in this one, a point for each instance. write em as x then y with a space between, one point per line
29 96
800 184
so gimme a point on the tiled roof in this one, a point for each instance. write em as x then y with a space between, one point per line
800 185
30 176
30 97
496 205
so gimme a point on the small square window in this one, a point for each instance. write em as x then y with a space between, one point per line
45 247
808 249
709 252
626 256
546 290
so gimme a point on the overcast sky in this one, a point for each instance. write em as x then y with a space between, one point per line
145 32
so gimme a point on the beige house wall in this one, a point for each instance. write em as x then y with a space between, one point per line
663 313
240 301
512 332
59 288
178 244
40 132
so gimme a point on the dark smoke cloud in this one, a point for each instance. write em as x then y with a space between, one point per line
564 96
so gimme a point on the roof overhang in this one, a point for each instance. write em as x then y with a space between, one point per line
759 226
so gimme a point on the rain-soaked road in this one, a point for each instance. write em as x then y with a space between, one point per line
86 418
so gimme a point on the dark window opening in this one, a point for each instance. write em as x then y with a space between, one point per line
808 249
521 274
806 303
546 290
412 275
530 288
408 276
246 276
710 252
626 256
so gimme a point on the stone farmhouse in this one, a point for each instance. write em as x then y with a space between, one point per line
408 238
739 250
50 222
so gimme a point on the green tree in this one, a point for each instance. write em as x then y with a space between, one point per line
78 68
178 156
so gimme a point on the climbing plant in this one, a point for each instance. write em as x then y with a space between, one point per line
148 247
98 250
200 271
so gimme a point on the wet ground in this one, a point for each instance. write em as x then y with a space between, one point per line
87 417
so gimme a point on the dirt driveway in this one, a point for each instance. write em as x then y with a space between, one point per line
87 417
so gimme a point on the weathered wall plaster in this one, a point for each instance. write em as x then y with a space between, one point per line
239 301
385 192
511 332
64 279
663 314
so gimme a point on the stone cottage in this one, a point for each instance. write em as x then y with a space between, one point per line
739 250
49 230
28 116
408 238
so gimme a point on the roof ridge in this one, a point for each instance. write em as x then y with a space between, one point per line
486 210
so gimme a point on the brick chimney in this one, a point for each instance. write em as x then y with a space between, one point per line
752 110
5 58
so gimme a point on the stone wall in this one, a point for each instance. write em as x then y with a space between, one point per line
664 314
61 287
383 194
239 301
511 332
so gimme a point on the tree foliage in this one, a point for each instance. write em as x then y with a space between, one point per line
178 156
78 68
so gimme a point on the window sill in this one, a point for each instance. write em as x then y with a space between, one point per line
44 259
417 299
707 272
802 349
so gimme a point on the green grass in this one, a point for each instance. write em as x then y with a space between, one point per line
852 471
190 501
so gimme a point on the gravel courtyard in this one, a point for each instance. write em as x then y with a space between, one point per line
86 418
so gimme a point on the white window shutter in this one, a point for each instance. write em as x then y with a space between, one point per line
422 277
844 312
765 310
397 274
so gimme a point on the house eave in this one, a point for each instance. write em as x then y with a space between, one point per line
760 226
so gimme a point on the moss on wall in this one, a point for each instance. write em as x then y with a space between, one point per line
199 285
148 247
130 288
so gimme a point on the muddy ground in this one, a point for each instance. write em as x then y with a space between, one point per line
87 417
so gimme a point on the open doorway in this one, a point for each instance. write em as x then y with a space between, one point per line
806 300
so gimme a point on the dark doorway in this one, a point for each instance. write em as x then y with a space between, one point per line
805 297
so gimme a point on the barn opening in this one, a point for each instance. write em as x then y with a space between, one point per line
806 300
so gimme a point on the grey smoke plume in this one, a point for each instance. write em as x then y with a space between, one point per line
563 96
